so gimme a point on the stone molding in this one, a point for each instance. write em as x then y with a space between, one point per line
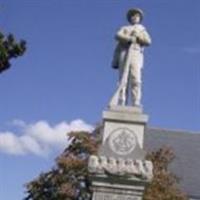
128 168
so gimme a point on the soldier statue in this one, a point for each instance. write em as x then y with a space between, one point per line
128 59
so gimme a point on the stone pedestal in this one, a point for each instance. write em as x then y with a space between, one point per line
123 126
120 171
114 189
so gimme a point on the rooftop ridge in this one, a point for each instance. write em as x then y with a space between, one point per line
170 130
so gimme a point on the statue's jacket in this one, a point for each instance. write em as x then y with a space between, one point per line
124 37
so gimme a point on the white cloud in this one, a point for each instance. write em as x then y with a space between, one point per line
9 143
39 138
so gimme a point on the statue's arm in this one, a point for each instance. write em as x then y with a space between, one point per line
144 38
123 36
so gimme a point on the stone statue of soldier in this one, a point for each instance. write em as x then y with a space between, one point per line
128 59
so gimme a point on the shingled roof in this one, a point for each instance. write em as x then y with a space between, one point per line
186 146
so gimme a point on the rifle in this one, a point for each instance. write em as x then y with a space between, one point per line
118 96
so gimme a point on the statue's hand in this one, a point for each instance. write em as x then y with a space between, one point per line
133 39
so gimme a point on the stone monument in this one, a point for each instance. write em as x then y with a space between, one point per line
120 170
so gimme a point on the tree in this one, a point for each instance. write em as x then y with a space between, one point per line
68 180
164 185
9 49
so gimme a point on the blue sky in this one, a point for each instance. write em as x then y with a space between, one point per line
64 81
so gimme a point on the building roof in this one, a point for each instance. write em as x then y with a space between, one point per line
186 146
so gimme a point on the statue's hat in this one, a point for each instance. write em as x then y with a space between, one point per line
133 11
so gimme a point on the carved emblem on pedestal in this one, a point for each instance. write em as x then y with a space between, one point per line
122 141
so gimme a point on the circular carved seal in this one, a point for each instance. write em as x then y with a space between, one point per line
122 141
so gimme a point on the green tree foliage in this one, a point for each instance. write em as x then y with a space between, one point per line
68 180
9 49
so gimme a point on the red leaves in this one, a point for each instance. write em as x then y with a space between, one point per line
69 178
164 185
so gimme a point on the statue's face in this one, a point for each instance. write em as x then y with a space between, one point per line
135 19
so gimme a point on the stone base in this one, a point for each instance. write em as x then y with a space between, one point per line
121 158
111 189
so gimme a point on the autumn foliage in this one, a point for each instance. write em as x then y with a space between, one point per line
68 180
164 185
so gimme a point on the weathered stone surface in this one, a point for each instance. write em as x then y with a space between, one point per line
122 143
112 189
130 169
119 171
125 115
111 196
123 133
132 109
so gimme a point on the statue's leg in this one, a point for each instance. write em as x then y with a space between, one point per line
136 79
122 79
